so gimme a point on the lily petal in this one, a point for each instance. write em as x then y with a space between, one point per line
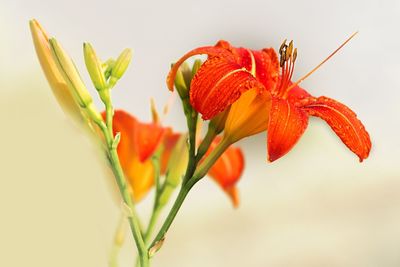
343 122
286 125
219 83
267 67
147 137
248 116
140 176
228 169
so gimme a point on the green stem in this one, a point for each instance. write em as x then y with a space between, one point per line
205 144
123 187
203 168
132 218
200 172
171 215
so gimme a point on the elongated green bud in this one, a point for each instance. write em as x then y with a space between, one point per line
187 73
120 66
68 70
180 85
94 67
196 66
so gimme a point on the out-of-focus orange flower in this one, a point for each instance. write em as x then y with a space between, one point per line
139 170
138 142
227 170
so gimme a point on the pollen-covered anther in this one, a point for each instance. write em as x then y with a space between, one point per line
288 55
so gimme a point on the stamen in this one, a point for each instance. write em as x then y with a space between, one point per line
253 63
288 55
320 64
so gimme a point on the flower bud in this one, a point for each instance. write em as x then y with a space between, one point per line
120 66
68 70
54 77
180 85
107 67
196 66
186 73
94 67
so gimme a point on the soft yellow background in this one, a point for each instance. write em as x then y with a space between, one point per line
317 206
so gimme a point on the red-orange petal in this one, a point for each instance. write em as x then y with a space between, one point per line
233 194
218 84
267 67
343 122
286 125
208 50
146 139
228 169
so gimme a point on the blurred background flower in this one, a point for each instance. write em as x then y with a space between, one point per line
317 206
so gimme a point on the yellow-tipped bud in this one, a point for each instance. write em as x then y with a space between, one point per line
120 66
68 70
180 85
175 169
94 67
54 77
186 73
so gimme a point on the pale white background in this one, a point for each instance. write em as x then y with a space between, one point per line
317 206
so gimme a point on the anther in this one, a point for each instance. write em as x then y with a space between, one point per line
283 46
289 50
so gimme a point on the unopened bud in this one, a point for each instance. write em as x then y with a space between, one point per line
120 66
186 73
57 82
180 85
94 67
70 74
107 67
196 66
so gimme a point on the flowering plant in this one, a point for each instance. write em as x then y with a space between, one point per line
238 91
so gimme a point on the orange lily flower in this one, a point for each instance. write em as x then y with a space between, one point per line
138 142
248 81
227 170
